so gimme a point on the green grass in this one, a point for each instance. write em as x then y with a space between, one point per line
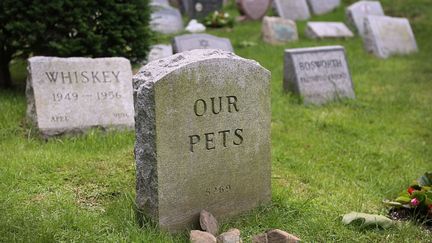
327 160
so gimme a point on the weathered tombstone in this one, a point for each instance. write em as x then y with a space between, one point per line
319 7
200 41
318 75
159 51
202 137
292 9
198 9
279 30
253 9
386 36
321 30
357 12
166 20
68 95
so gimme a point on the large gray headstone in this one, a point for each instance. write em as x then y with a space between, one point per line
277 30
198 9
200 41
321 30
357 12
319 7
292 9
318 75
253 9
166 20
74 94
202 137
386 36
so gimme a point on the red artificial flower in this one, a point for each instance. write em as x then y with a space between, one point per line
415 202
410 190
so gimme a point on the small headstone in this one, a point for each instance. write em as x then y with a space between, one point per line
292 9
319 7
202 137
357 12
198 9
166 20
386 36
253 9
208 223
195 27
277 30
67 95
318 75
197 236
277 235
231 236
159 51
321 30
200 41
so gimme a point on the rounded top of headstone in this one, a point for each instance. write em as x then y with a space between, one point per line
253 9
156 70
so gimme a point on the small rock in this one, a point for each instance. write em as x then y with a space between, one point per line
208 222
280 236
198 236
261 238
195 27
231 236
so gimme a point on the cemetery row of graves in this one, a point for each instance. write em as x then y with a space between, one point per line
283 122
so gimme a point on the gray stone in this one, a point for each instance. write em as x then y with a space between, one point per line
292 9
198 9
261 238
159 51
166 20
280 236
68 95
208 222
357 12
321 30
278 30
200 41
231 236
318 75
190 154
197 236
386 36
319 7
253 9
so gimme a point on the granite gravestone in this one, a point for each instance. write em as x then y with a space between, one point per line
200 41
279 30
198 9
318 75
357 12
202 137
159 51
74 94
166 20
292 9
386 36
253 9
319 7
321 30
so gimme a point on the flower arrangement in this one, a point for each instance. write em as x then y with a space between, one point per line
219 19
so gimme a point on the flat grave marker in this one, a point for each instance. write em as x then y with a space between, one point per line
320 7
321 30
189 42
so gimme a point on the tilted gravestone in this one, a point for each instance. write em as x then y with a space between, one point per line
74 94
318 75
292 9
386 36
166 20
357 12
277 30
253 9
321 30
319 7
198 9
200 41
202 137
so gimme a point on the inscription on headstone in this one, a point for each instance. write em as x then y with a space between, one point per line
292 9
277 30
319 7
318 75
198 9
386 36
202 137
74 94
253 9
200 41
319 30
357 12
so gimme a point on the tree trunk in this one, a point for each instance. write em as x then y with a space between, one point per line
5 77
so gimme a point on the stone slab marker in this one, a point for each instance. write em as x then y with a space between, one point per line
277 30
320 7
292 9
318 74
74 94
321 30
253 9
357 12
386 36
189 42
202 137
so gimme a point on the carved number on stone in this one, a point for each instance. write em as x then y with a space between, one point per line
108 95
218 189
57 97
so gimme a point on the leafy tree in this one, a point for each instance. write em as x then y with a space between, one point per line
96 28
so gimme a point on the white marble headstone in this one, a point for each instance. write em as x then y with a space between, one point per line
357 12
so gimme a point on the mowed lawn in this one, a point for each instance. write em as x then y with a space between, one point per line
326 161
